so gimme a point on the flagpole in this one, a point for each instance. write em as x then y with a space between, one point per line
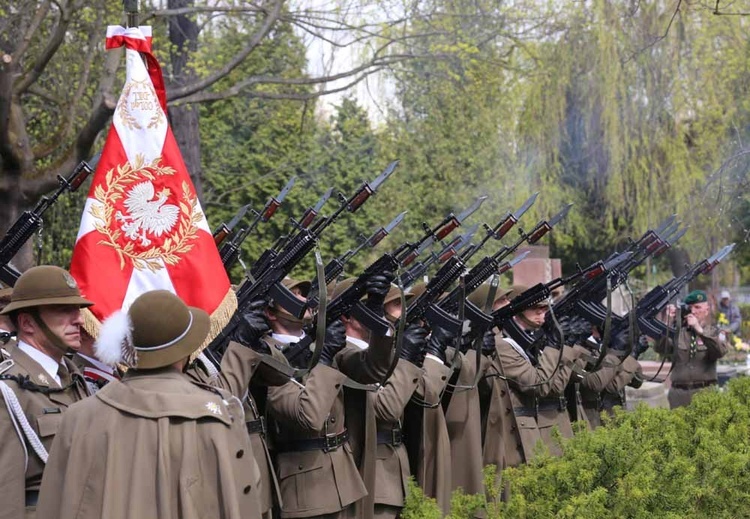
131 10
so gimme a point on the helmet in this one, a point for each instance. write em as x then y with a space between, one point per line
480 295
158 329
45 285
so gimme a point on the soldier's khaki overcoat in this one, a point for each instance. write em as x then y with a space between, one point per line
154 445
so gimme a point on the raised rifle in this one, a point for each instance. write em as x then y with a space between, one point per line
268 282
335 267
583 280
653 243
659 297
495 264
420 268
31 221
348 302
230 251
226 229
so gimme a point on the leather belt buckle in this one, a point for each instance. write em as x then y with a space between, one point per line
333 441
257 426
396 437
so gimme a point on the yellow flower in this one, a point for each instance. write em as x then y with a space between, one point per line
722 319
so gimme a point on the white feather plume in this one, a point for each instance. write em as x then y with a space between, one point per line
115 338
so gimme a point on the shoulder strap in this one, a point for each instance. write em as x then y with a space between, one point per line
22 425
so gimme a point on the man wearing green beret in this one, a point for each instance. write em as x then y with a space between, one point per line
700 344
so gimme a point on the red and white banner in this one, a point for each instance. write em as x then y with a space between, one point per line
142 227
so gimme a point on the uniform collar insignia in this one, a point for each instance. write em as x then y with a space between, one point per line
214 408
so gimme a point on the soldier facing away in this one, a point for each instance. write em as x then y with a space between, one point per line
154 444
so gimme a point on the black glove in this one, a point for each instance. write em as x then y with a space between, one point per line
439 340
488 343
377 287
334 342
620 341
252 327
413 343
640 346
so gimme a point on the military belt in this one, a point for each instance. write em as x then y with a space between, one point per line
327 443
525 411
392 437
257 426
32 497
694 385
552 403
608 401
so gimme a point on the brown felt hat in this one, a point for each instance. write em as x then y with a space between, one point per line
336 289
480 295
164 329
520 289
302 284
45 285
394 293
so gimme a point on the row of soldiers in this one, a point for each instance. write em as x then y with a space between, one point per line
243 431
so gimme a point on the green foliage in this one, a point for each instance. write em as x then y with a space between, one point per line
688 462
419 506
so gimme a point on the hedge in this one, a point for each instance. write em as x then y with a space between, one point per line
688 463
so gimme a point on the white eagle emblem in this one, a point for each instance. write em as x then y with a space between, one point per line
147 215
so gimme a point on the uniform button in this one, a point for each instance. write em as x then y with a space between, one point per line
507 410
240 453
415 380
502 392
519 445
247 489
443 378
337 386
333 419
299 467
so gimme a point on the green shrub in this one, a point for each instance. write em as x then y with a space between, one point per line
693 462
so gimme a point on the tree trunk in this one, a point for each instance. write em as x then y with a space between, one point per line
183 36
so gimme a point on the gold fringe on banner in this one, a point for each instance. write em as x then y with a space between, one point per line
90 323
219 319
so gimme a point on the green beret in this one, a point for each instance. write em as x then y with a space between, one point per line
696 296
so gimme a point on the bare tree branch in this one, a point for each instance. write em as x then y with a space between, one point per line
253 42
49 51
40 14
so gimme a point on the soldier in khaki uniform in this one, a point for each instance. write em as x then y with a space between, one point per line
241 364
392 461
426 430
359 399
463 413
155 444
699 346
628 373
516 423
45 309
316 467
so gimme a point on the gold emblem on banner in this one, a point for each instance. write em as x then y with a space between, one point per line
149 228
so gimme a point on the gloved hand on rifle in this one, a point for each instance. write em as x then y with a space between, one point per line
439 340
488 343
467 341
620 341
252 327
334 342
640 346
413 342
377 288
